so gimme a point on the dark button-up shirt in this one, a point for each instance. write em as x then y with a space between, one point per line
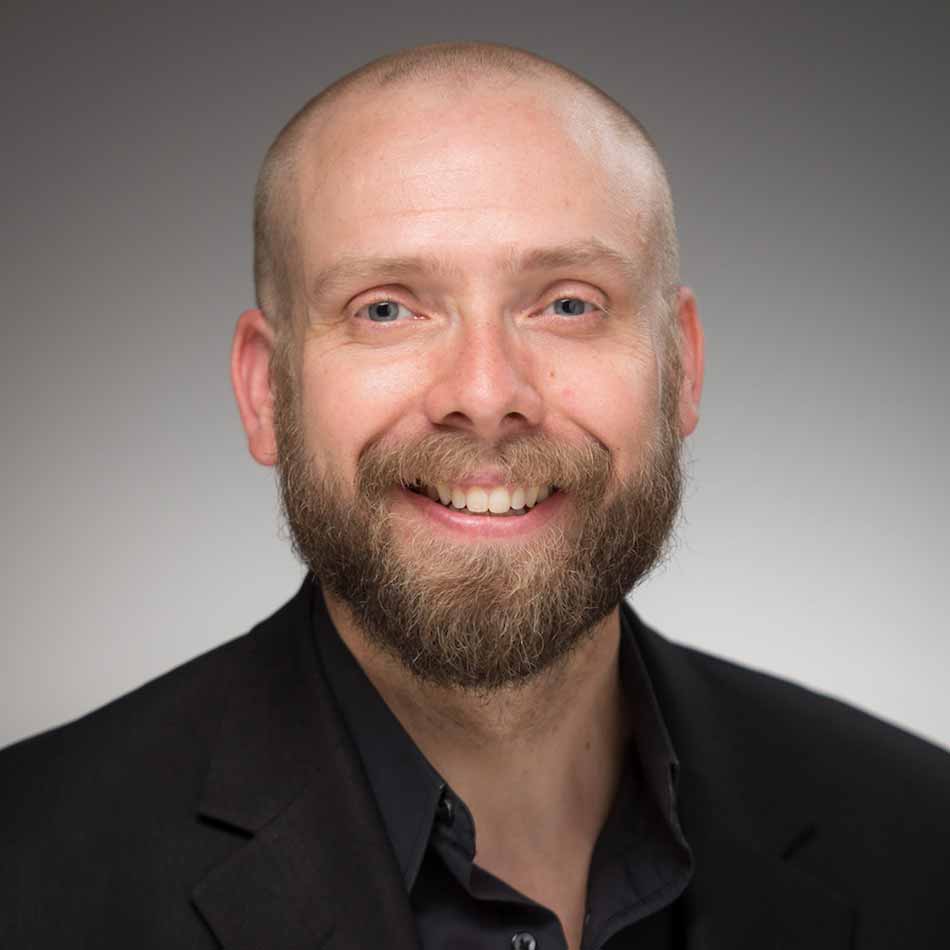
640 865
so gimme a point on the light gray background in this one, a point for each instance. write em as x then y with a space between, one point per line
808 150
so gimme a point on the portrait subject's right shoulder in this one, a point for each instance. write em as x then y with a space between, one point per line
106 824
132 739
149 746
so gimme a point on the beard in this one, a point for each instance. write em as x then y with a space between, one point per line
480 615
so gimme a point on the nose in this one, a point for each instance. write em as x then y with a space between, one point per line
485 385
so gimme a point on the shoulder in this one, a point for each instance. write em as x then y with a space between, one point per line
742 706
106 804
100 811
161 723
96 811
157 726
842 796
787 721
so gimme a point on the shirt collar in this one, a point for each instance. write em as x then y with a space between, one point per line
408 789
651 738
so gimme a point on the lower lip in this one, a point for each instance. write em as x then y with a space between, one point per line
488 526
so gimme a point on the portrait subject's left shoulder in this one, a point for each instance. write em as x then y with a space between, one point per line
716 708
815 785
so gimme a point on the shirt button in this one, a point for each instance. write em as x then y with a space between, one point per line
446 810
523 941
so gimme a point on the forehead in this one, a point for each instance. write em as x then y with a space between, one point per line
475 173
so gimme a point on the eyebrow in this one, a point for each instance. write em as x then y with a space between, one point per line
585 253
577 254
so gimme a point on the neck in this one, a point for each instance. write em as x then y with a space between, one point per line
537 764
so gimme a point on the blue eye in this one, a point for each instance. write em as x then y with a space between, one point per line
572 307
386 311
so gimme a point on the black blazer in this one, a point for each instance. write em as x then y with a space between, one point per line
223 805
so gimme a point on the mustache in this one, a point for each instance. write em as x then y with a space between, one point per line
584 469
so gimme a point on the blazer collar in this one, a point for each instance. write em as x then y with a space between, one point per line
313 867
746 891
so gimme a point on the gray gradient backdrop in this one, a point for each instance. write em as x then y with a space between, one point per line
808 150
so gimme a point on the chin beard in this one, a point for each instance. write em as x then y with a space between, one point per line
479 616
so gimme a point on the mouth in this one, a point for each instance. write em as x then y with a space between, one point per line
499 501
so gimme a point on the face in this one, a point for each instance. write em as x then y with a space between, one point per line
479 437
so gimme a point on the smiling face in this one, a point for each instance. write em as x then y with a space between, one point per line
478 434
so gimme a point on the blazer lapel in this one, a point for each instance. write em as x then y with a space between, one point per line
746 891
743 893
314 867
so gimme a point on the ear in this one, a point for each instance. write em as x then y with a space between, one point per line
691 358
250 376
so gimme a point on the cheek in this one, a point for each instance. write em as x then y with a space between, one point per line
349 401
612 397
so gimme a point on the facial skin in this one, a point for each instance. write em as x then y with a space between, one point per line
473 214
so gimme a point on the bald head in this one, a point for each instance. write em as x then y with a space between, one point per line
461 69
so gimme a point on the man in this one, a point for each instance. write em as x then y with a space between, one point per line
473 365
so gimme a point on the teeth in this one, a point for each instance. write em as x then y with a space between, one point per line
476 499
499 500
